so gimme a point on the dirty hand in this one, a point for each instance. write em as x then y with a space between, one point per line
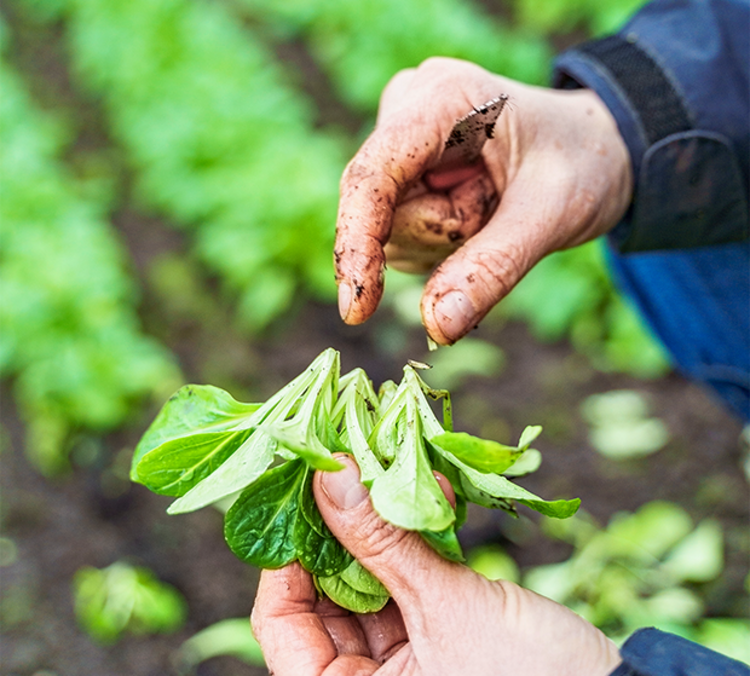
443 619
556 174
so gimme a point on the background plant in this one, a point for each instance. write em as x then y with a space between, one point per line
70 334
125 598
643 569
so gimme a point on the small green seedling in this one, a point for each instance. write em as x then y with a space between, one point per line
204 447
125 599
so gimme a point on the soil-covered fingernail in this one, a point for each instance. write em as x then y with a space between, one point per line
454 314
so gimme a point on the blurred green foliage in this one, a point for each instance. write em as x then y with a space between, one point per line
361 50
220 139
232 636
67 309
563 16
620 426
124 598
644 569
570 294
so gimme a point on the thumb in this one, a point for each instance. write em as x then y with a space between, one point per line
472 280
400 559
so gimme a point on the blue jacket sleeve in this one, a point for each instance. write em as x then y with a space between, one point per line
676 81
650 652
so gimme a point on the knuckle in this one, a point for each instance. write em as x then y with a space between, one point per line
498 271
510 598
437 63
356 170
382 541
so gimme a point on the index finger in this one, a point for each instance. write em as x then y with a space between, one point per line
387 165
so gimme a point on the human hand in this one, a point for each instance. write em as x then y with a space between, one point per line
443 619
555 175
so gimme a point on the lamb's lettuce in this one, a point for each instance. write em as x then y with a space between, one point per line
205 447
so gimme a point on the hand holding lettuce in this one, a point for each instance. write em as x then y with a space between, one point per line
205 447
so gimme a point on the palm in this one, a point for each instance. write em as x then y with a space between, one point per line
330 640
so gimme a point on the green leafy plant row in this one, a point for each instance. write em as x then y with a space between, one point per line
361 50
218 138
652 567
204 447
223 142
564 16
70 336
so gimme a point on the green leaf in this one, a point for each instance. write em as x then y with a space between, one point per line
529 462
322 556
192 409
500 488
242 468
407 493
299 434
123 598
650 532
445 543
417 388
318 550
469 357
310 510
259 526
479 497
174 467
481 454
330 437
494 563
386 392
385 437
359 406
557 509
528 436
343 595
355 589
252 459
227 637
300 438
699 557
361 579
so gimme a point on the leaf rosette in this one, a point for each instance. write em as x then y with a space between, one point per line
205 448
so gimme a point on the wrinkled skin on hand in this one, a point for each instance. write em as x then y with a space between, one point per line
556 174
443 619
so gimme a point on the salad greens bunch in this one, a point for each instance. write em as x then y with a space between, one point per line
204 447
